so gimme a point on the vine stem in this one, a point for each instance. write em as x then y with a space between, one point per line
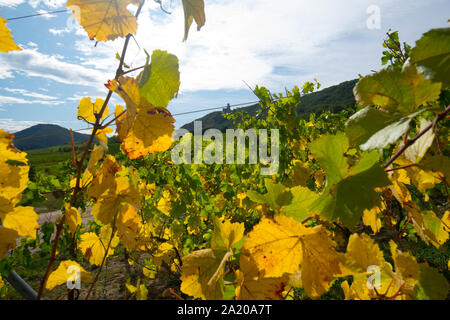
77 190
409 142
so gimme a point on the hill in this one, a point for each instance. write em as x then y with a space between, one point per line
334 98
44 136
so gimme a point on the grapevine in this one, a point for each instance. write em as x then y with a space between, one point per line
356 192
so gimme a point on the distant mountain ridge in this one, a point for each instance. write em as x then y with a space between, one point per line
44 136
334 98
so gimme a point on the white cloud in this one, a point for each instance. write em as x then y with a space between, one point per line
54 4
27 93
46 16
10 3
35 64
11 125
32 44
7 100
272 43
58 32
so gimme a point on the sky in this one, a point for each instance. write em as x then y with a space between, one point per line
276 44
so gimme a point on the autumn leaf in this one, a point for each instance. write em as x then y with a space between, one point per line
128 226
144 128
151 132
72 217
193 10
203 269
104 20
23 220
87 110
199 268
6 40
252 285
7 240
94 247
281 246
67 271
226 234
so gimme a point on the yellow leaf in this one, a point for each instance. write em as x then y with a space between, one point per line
202 273
87 110
144 128
101 135
151 132
275 246
370 218
7 240
280 246
363 252
94 247
226 233
23 220
73 217
6 40
164 206
104 20
104 181
253 286
193 10
68 270
96 155
128 225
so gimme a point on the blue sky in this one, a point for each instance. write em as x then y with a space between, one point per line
276 44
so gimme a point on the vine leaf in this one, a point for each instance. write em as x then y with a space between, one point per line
277 195
159 82
193 10
299 209
94 247
72 217
202 274
397 91
7 240
151 132
338 201
144 128
6 40
280 246
252 285
64 273
23 220
432 55
87 109
104 20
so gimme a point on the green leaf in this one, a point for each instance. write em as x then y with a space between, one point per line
365 123
400 91
163 81
432 284
277 195
329 151
299 209
387 135
338 202
432 54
